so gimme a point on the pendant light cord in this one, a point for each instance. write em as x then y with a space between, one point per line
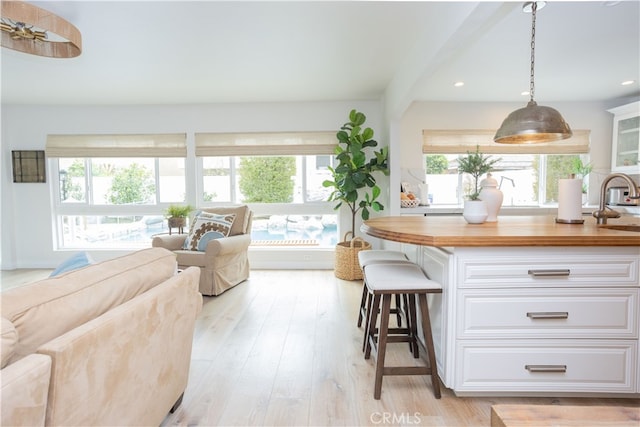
534 6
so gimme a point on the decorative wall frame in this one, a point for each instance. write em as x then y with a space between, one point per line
28 166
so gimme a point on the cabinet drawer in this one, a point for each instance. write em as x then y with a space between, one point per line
548 313
529 366
548 271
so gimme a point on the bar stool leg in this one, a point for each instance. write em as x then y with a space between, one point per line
362 304
372 315
367 320
382 344
428 338
413 325
363 307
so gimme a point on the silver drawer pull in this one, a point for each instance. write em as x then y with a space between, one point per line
548 315
548 273
546 368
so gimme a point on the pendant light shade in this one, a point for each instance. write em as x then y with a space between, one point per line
533 123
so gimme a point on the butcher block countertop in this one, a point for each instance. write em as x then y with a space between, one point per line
442 231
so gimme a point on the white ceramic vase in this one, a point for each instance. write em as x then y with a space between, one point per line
475 211
492 197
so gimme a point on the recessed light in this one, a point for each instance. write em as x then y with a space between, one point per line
525 93
458 84
627 82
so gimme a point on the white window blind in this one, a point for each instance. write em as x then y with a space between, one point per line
461 141
272 144
138 145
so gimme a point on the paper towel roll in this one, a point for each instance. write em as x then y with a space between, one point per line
569 199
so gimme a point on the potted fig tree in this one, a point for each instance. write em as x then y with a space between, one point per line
354 185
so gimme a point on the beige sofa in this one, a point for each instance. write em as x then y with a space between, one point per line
225 261
108 344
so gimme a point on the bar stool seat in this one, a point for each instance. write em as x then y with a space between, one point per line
384 281
377 256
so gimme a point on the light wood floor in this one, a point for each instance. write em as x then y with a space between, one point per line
283 349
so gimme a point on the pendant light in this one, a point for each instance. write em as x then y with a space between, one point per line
533 123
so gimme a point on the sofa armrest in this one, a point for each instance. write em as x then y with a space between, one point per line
172 242
137 352
228 245
25 388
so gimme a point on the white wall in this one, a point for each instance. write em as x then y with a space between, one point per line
27 226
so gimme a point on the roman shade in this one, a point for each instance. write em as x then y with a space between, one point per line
461 141
270 143
123 145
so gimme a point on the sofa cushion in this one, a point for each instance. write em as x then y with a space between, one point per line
8 342
241 221
79 260
47 309
205 227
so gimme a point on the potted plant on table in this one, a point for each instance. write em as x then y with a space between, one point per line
354 184
177 216
475 164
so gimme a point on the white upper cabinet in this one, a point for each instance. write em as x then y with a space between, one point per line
625 151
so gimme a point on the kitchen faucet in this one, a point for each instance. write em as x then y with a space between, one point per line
502 178
604 212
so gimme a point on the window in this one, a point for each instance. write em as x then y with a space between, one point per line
526 174
115 202
524 179
280 175
111 194
285 193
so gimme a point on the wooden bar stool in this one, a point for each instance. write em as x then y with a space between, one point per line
379 256
384 281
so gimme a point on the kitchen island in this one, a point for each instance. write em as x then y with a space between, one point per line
529 306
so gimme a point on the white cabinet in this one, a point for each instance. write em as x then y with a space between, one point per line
625 149
536 320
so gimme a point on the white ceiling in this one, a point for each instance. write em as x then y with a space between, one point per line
176 52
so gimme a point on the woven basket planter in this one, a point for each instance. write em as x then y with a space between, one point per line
347 266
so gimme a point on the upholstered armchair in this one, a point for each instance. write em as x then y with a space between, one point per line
223 261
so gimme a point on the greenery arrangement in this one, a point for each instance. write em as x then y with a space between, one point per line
581 170
476 164
134 184
437 164
178 211
266 179
354 171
